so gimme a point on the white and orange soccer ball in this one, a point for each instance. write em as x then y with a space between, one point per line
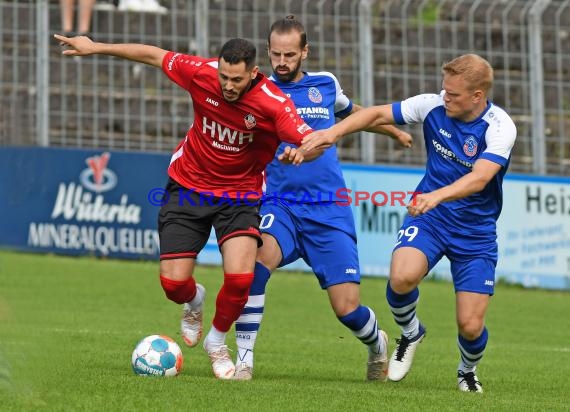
157 355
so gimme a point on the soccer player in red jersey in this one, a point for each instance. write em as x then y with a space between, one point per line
215 175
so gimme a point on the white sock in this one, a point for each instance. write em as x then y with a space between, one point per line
215 338
464 368
198 299
245 356
381 345
411 329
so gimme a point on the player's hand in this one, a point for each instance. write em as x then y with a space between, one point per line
422 203
291 155
77 46
405 139
320 139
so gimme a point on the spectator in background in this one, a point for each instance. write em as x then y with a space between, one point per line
67 8
149 6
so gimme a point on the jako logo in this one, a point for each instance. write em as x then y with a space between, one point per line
445 133
97 177
212 101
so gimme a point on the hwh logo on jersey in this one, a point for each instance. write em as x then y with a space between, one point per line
221 133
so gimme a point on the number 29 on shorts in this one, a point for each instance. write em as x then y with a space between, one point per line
407 234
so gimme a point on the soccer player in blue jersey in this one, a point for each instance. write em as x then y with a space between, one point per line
300 218
468 141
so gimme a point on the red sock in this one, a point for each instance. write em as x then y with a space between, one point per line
179 291
231 299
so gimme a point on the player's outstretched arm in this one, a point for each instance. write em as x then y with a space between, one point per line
364 119
84 46
473 182
403 138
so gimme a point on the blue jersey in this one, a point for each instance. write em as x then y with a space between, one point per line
319 100
452 148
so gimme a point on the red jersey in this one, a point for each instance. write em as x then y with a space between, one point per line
229 144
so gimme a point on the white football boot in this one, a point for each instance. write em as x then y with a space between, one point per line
191 323
222 363
401 360
468 382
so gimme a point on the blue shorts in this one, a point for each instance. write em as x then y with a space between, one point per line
323 235
473 257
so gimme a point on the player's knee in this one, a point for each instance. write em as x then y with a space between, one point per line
343 307
470 328
178 291
237 286
269 255
269 258
344 298
402 283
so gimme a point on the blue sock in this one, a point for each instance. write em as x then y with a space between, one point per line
403 309
471 351
362 322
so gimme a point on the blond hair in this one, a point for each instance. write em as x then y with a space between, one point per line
476 71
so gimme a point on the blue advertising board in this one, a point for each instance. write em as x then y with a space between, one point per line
533 231
80 202
89 202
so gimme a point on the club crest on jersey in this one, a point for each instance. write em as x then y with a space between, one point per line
249 121
315 95
470 146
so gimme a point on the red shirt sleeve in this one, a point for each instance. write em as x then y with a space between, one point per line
289 125
181 68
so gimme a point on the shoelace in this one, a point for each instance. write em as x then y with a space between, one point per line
193 316
469 379
243 371
403 344
221 354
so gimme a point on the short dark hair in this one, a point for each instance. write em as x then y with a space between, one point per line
287 25
235 51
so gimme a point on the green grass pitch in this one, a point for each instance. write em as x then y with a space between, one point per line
68 327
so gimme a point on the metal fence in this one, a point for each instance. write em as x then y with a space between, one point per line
381 51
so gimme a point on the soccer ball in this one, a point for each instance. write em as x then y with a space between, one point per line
157 355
